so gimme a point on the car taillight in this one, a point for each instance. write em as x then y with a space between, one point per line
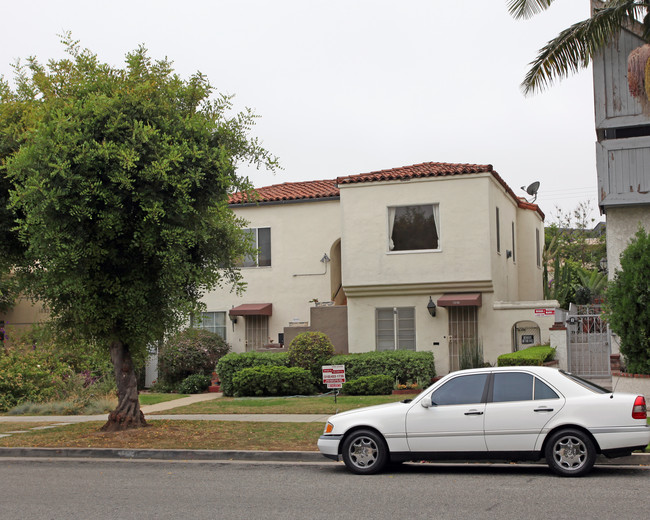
639 410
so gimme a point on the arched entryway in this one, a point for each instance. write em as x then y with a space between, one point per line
525 334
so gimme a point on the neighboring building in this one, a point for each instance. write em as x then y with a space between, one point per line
382 248
623 147
622 150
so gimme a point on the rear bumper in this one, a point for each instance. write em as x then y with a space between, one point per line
329 446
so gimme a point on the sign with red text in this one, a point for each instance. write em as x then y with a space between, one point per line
333 375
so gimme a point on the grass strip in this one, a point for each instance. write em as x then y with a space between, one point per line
194 435
290 405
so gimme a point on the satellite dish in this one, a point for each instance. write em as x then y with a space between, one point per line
532 190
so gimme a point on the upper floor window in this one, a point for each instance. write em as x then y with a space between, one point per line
413 228
214 322
538 248
514 246
261 239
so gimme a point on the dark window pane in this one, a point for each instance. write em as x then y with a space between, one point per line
512 387
543 391
264 245
414 228
461 390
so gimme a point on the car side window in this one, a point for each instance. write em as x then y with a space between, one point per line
543 391
461 390
512 386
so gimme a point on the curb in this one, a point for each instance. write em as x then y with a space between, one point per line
144 454
636 459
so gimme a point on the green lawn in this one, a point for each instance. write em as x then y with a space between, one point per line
297 405
153 398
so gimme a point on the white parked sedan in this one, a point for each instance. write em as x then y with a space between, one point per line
505 413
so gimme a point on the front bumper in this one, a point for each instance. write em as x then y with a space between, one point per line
329 446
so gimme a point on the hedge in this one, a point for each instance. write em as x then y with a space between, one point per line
272 380
531 356
369 385
401 365
232 363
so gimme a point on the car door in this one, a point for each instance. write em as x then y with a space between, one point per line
519 406
454 420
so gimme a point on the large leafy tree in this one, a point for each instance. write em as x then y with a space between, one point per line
575 47
119 184
628 302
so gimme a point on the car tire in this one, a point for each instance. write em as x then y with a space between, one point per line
365 452
570 453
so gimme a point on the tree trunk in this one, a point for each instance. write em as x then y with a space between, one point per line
127 414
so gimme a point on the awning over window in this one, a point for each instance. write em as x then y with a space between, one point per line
460 300
252 309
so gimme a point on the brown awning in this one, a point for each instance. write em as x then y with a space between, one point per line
252 309
460 300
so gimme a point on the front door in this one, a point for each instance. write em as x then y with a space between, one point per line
463 335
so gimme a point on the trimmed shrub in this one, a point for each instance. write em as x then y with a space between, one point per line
401 365
310 350
194 384
369 385
272 380
531 356
192 351
232 363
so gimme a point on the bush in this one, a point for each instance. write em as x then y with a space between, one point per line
192 351
310 350
272 380
531 356
369 385
628 304
232 363
401 365
194 384
32 377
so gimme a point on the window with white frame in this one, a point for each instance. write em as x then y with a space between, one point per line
413 228
261 240
395 328
214 322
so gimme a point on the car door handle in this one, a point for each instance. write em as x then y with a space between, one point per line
543 409
473 412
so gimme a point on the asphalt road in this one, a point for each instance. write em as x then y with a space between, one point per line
125 489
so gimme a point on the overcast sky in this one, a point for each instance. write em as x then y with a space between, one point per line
353 86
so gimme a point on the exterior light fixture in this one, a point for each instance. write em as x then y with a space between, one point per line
508 253
431 307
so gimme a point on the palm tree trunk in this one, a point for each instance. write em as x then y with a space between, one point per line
127 414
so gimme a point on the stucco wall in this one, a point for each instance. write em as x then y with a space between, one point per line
301 233
464 237
622 223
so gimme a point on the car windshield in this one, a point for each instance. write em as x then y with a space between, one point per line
587 384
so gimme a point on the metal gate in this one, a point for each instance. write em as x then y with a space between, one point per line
589 347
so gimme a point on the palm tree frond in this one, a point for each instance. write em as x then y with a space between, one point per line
527 8
574 48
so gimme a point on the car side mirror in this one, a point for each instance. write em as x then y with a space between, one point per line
426 402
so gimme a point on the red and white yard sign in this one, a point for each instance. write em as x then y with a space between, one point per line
334 375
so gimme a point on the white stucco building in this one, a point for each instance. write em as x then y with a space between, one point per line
381 249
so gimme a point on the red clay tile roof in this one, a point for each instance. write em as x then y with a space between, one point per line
289 191
329 188
430 169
